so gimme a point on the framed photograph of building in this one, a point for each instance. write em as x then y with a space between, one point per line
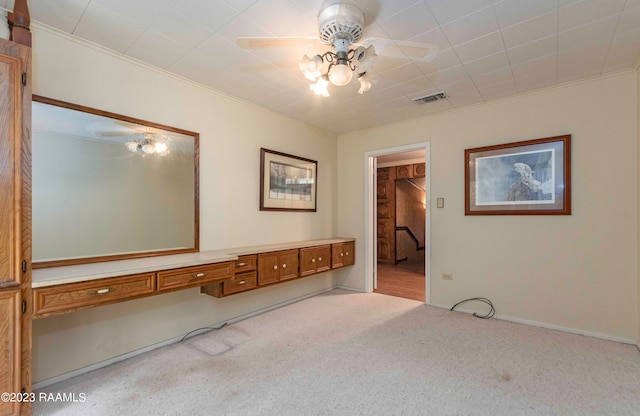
523 178
287 182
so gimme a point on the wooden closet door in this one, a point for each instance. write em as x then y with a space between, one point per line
386 219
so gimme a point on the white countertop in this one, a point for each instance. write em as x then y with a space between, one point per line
92 271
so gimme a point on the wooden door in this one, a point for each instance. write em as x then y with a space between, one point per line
349 255
15 221
337 255
386 207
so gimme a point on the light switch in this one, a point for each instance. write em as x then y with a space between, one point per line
440 202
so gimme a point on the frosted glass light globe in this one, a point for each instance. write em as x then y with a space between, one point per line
340 75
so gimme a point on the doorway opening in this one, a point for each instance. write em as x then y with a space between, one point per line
397 249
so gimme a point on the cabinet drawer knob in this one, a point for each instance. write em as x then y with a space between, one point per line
241 282
319 258
341 254
101 291
275 267
284 266
313 260
347 253
199 275
241 264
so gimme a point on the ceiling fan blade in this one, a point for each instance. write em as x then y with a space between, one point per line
291 42
418 51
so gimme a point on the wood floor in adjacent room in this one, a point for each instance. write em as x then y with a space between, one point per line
404 280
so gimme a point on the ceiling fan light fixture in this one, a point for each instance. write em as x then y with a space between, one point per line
340 74
148 146
364 58
311 66
365 83
320 87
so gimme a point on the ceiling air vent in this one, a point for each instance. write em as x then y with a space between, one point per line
432 97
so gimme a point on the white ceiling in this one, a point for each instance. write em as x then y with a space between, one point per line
489 48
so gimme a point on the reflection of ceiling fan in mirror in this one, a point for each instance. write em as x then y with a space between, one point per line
141 139
341 25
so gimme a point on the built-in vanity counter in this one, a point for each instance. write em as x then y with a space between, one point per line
219 273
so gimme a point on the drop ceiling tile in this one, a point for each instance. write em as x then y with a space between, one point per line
239 5
445 59
107 28
629 20
401 73
459 100
623 52
437 106
409 22
212 14
487 64
493 92
434 36
481 47
62 14
220 49
536 81
277 16
142 11
156 49
418 87
544 64
447 11
588 11
582 53
512 12
533 50
385 63
180 28
491 78
385 8
471 27
531 30
599 32
463 86
242 26
448 76
630 4
571 71
194 65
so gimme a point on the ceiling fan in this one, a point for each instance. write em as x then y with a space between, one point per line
341 25
143 139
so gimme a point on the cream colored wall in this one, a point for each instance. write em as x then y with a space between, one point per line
231 135
578 272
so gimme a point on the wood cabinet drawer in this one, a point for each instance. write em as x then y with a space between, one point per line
194 276
246 263
74 296
242 282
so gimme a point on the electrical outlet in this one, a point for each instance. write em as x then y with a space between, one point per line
447 276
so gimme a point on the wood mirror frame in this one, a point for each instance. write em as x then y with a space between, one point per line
100 257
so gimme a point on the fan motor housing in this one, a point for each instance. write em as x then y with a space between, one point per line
341 21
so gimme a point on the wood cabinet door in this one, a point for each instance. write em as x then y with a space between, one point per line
268 268
289 264
337 255
349 254
307 261
10 169
10 348
323 258
404 172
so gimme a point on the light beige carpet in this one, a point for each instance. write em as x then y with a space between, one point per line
344 353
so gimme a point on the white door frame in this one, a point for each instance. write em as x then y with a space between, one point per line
371 225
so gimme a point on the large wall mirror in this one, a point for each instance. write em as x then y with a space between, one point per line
110 187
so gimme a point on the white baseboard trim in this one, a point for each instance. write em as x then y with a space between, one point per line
544 325
80 371
351 289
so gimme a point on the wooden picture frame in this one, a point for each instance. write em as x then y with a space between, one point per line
287 182
531 177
